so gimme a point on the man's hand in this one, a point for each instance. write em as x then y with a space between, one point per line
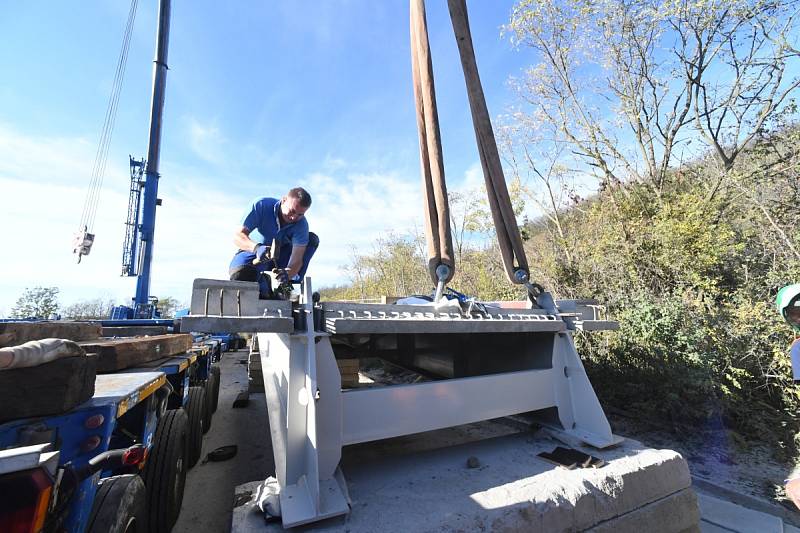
281 275
262 253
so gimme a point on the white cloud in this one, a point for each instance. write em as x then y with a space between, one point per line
206 141
43 187
352 212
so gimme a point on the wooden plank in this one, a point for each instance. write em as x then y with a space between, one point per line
134 331
16 333
119 354
347 365
49 389
349 381
348 370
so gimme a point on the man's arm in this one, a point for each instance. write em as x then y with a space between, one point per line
295 260
242 240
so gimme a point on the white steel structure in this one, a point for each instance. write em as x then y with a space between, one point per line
512 361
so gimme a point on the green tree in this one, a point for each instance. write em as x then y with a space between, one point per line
626 85
168 306
93 309
38 302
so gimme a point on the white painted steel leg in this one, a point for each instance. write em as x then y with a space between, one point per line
579 410
289 366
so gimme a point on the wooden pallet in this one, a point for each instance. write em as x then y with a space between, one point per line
118 354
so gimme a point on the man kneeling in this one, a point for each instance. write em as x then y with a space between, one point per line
283 222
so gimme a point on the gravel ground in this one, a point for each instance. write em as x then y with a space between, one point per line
208 498
714 458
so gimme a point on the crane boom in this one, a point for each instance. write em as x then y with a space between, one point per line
137 252
150 189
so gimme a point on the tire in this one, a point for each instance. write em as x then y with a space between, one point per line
209 388
165 471
215 370
196 409
120 506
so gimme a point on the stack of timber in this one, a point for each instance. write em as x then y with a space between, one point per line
348 368
119 354
16 333
51 388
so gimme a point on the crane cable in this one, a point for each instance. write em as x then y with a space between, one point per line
441 260
101 157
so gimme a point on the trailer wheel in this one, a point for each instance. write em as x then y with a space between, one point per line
196 408
165 471
208 387
212 383
120 506
215 371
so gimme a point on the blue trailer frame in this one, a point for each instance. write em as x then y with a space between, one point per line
122 412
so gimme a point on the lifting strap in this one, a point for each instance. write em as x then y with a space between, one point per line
441 261
505 222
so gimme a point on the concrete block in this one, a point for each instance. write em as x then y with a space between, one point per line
736 517
234 299
639 489
707 527
676 512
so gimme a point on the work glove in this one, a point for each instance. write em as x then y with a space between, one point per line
262 253
281 275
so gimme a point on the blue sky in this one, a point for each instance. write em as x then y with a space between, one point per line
261 96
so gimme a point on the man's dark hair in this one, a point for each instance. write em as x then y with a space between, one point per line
302 196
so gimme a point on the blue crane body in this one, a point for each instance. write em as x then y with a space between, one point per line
137 253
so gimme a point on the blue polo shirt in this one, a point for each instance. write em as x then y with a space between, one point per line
263 221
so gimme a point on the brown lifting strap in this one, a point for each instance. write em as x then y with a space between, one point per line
505 223
437 210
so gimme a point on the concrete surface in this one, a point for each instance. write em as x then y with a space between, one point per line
721 515
208 497
789 516
511 490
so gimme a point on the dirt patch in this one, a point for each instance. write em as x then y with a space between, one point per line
713 456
